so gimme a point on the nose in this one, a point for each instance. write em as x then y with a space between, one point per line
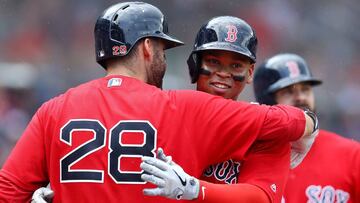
300 96
223 74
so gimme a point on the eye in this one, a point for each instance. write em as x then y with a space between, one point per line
237 65
213 61
287 91
306 88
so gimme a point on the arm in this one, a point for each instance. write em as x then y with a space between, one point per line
242 192
285 124
174 183
267 166
25 169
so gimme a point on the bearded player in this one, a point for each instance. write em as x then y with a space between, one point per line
331 171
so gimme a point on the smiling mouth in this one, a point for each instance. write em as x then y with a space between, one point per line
220 85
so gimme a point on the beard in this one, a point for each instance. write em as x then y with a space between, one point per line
304 106
157 70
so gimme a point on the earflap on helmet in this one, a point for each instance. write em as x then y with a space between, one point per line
194 63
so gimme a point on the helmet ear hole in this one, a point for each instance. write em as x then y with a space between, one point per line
115 18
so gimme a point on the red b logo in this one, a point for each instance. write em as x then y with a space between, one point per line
293 69
231 33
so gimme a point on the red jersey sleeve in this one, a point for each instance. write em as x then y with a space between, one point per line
283 122
213 193
228 127
267 166
25 169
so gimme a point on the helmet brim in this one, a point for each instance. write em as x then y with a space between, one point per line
285 82
170 42
225 46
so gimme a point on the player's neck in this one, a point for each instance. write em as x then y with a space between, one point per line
128 72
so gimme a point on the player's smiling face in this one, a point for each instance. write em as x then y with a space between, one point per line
300 95
229 72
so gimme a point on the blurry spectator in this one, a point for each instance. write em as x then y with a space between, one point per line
16 81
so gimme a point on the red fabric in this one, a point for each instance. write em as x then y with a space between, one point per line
197 129
267 163
215 193
329 173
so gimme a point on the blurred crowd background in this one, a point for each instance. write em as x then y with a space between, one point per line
47 47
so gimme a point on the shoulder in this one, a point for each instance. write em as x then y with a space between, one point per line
336 138
55 104
338 142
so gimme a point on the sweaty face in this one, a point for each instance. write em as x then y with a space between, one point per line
223 66
300 95
158 66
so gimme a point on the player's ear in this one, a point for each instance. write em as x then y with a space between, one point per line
148 48
250 73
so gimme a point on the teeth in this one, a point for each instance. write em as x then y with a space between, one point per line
222 86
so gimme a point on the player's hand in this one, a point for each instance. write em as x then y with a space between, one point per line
42 195
300 148
171 180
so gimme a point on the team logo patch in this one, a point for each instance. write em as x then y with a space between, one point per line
293 69
114 82
231 33
273 187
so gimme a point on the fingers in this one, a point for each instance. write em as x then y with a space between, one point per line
155 162
40 195
154 192
48 194
162 156
153 179
152 170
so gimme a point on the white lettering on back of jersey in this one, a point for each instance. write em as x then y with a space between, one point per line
326 194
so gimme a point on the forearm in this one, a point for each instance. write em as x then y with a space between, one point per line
223 193
10 192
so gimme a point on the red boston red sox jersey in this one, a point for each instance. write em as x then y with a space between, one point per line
329 173
88 141
266 165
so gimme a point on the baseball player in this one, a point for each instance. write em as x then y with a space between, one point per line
88 141
331 171
222 63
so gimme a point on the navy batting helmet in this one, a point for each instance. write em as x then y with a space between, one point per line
280 71
222 33
120 26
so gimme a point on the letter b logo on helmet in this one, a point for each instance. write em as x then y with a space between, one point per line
222 33
122 25
232 33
